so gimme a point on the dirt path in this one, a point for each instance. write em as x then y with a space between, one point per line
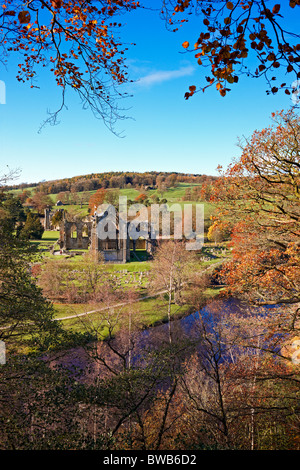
121 304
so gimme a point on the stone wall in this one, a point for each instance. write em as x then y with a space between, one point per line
75 235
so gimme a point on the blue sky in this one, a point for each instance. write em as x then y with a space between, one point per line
164 131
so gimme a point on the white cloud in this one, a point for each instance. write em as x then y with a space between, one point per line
164 76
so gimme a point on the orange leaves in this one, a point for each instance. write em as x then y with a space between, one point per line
96 45
9 12
276 9
293 3
77 40
141 198
231 30
97 199
257 195
24 17
222 90
219 231
56 4
190 93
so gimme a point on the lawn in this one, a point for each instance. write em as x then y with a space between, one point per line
144 314
48 239
174 194
50 235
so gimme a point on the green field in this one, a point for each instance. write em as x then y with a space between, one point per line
133 275
144 314
19 191
48 239
172 195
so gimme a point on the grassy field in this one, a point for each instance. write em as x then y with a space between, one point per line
30 190
48 239
132 275
173 195
146 313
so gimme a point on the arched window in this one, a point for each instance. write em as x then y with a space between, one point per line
85 231
74 231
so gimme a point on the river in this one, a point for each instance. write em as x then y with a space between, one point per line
99 359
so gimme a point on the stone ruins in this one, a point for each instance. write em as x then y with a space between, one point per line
83 234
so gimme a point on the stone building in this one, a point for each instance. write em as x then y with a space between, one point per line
115 250
84 235
75 235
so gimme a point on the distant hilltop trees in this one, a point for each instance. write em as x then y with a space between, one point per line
119 180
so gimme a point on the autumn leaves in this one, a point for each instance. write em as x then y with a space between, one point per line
236 31
258 198
76 41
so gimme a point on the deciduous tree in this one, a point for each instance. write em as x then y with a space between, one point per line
78 41
41 201
259 196
240 38
97 199
171 269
